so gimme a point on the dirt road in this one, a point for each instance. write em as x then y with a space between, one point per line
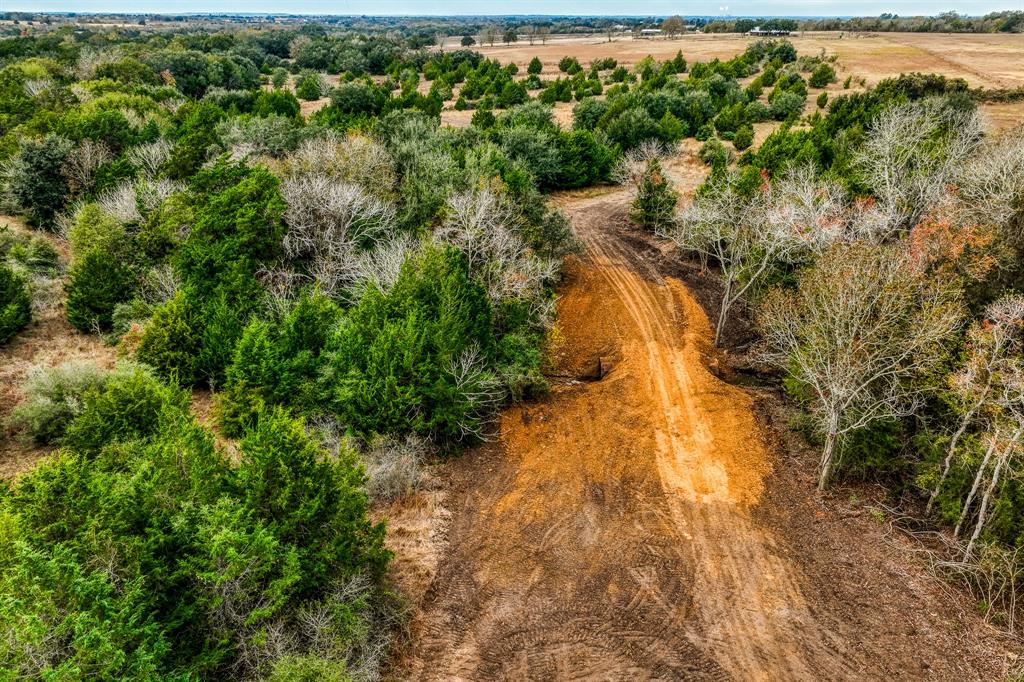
609 534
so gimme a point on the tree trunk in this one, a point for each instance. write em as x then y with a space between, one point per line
947 463
977 484
723 311
1003 457
826 458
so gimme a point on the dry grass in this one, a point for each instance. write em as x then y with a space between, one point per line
49 341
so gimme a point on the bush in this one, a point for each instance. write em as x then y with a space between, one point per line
276 103
15 303
822 76
535 149
357 98
33 253
277 363
786 105
655 199
97 282
587 114
569 65
172 340
483 119
404 359
632 127
743 138
822 100
36 180
279 78
714 154
309 86
54 398
535 66
583 159
95 229
195 550
127 406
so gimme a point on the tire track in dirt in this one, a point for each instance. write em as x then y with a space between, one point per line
606 534
712 460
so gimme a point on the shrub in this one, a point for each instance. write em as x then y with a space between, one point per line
583 159
53 398
822 76
172 340
632 127
127 406
277 363
279 77
36 181
535 149
404 359
309 86
228 555
569 65
757 112
95 229
276 103
655 199
535 66
587 114
483 119
822 100
786 105
97 282
15 303
33 253
743 138
357 98
714 154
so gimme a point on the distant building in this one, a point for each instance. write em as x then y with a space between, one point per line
772 32
650 32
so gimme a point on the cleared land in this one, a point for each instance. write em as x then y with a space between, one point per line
644 526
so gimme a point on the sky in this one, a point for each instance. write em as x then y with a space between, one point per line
565 7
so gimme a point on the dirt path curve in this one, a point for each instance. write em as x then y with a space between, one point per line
612 538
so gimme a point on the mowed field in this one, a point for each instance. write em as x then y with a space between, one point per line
991 61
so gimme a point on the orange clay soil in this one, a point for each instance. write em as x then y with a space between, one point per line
613 531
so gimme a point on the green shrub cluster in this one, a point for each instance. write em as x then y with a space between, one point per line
15 303
142 551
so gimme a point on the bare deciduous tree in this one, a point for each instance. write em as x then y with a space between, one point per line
745 237
990 185
351 158
82 163
477 388
328 223
859 330
990 345
150 157
914 150
485 228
